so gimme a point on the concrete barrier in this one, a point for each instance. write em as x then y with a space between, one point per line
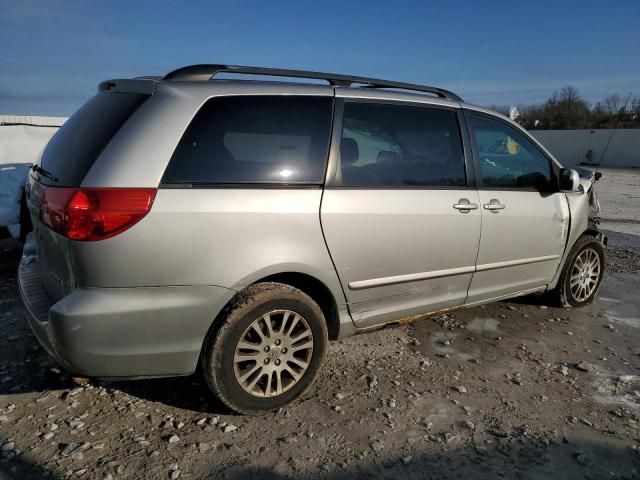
572 146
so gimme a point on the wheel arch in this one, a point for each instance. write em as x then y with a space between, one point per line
305 282
563 294
317 290
590 231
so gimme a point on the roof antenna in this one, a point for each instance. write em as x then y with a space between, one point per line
597 174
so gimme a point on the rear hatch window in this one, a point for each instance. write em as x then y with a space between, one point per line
75 147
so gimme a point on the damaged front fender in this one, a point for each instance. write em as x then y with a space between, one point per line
584 209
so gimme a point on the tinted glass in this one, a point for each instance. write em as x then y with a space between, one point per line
247 139
75 147
507 158
400 145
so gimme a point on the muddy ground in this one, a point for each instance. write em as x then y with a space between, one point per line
511 390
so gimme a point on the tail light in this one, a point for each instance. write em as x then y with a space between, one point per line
89 214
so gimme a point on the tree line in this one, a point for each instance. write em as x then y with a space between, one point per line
567 110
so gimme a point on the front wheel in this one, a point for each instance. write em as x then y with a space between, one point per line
267 351
582 273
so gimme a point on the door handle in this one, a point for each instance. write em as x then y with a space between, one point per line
494 205
464 205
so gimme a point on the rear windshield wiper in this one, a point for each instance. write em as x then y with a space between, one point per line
44 173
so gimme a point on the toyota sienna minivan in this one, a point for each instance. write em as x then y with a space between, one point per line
239 225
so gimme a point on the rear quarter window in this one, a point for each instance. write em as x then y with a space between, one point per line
254 139
75 147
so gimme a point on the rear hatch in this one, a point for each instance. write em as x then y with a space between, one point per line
65 162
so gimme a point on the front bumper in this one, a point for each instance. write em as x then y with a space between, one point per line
121 332
598 235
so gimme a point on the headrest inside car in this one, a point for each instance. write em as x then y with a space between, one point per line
349 151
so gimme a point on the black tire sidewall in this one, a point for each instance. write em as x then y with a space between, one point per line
581 245
219 370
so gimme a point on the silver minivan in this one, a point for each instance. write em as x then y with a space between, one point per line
239 225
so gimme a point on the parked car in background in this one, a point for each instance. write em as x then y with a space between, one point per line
240 225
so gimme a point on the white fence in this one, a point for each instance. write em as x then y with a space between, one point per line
22 139
572 146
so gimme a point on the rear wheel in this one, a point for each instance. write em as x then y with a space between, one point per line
582 273
268 349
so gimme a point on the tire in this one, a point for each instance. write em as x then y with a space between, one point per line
563 292
227 367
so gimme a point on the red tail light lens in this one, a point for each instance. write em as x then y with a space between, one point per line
89 214
54 203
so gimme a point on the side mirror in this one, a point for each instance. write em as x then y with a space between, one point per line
569 180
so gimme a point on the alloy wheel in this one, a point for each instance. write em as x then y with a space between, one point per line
273 353
585 275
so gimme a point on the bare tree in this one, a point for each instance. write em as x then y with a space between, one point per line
569 94
635 107
566 109
569 110
613 104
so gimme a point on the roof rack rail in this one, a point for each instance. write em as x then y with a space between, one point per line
205 72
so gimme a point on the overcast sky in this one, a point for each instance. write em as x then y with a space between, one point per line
54 53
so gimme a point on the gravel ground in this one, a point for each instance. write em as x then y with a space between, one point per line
513 390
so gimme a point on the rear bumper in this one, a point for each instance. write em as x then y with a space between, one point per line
36 302
121 332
